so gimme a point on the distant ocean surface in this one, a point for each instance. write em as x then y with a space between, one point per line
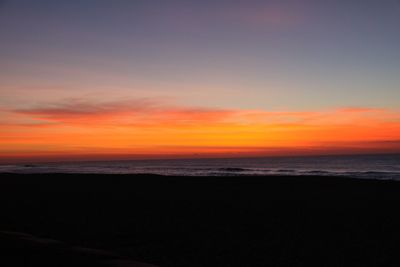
359 166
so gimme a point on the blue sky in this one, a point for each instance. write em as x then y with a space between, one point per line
293 55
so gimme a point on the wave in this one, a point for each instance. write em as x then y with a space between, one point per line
234 169
286 170
373 169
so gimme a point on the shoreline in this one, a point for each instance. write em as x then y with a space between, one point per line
211 221
152 176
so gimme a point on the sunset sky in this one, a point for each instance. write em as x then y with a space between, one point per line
97 79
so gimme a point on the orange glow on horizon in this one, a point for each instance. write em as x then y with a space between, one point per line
148 130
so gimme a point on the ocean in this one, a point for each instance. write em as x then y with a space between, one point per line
357 166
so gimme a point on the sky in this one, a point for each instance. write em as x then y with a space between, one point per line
94 79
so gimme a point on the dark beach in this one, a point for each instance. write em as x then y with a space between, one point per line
201 221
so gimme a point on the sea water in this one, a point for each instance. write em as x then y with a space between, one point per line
357 166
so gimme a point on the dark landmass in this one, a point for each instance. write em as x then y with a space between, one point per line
198 221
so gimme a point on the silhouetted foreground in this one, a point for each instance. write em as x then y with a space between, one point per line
199 221
19 249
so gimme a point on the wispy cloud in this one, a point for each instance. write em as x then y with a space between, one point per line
361 110
155 111
156 127
144 110
273 15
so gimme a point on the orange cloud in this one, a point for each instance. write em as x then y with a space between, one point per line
360 110
152 127
75 111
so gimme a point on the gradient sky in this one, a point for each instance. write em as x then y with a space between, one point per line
106 79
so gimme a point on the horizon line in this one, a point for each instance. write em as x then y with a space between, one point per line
69 160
